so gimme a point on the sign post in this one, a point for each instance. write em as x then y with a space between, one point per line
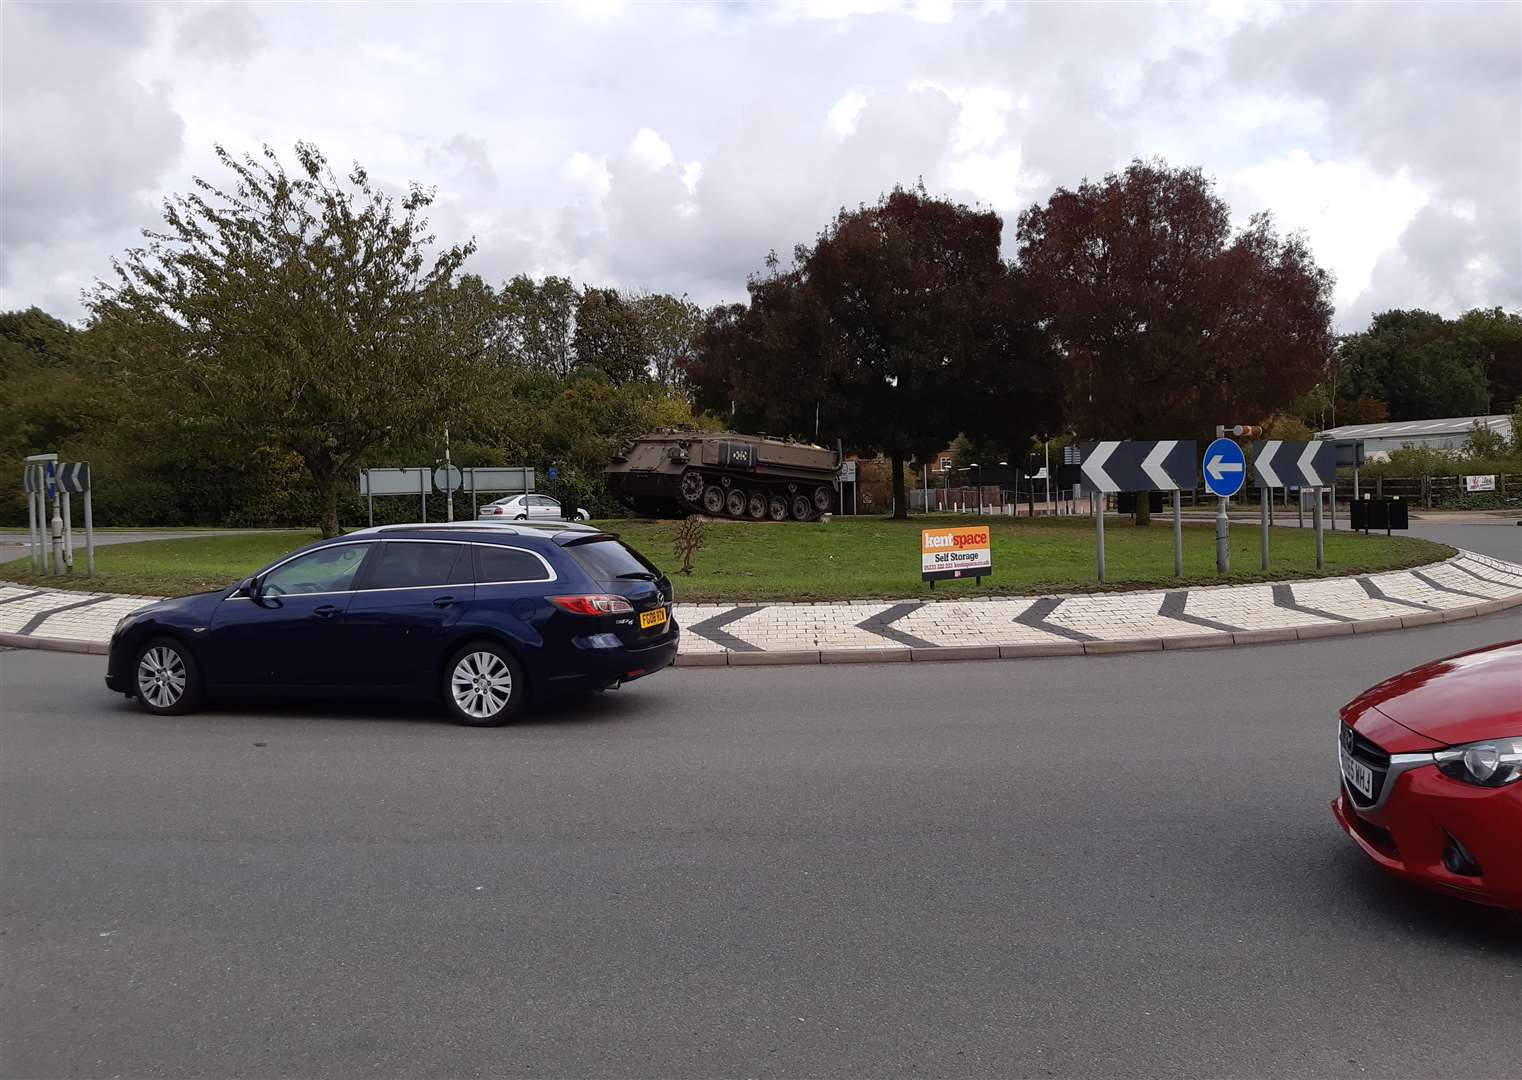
447 479
964 551
1225 472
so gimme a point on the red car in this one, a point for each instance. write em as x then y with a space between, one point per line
1432 774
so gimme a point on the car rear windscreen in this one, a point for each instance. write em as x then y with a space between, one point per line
608 560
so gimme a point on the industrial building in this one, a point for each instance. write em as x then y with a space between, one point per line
1450 434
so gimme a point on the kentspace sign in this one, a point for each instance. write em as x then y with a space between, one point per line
963 551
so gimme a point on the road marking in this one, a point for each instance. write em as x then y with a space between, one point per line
42 616
712 630
881 624
1035 617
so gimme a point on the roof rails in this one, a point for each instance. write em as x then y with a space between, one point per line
511 528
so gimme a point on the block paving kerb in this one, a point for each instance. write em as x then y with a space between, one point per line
1465 585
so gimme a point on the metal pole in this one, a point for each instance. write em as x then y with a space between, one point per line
448 486
1049 506
1355 484
1178 533
1222 539
1097 501
1320 549
1331 502
68 531
56 528
89 536
1266 510
1299 507
31 525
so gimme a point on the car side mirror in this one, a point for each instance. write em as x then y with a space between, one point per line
249 587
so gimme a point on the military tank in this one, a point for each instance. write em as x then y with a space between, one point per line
723 474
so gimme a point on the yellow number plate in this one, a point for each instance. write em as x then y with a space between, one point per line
647 619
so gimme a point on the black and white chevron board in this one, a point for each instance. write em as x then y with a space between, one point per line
1295 464
1140 465
74 476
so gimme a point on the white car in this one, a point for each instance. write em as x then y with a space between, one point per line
529 508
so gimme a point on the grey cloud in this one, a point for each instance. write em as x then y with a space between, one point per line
220 33
86 144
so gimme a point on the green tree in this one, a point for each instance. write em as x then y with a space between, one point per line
669 331
294 312
1419 364
609 337
540 318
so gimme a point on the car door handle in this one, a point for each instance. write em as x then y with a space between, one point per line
327 611
442 601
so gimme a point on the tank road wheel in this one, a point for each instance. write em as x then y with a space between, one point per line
734 503
776 508
803 509
756 508
692 486
713 499
822 499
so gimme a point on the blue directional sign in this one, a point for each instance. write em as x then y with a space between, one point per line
1225 468
554 473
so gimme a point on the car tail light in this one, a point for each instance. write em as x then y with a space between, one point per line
593 604
499 511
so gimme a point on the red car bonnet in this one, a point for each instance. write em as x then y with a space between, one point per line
1474 695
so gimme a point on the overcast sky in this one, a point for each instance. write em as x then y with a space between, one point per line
670 147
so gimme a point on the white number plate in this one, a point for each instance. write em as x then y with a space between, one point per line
1359 776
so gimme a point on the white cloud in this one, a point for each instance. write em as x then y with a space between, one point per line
650 150
843 114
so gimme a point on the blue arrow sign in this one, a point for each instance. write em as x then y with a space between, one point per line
1225 468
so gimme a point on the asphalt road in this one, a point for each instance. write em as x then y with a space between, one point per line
1092 866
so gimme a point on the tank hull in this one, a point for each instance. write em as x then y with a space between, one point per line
723 474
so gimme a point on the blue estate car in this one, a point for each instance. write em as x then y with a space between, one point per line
480 615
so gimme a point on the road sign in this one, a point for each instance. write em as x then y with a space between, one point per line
508 478
848 472
553 473
1225 468
1296 464
1145 465
393 481
447 478
960 552
74 477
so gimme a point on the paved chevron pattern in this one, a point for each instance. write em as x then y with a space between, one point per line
1465 584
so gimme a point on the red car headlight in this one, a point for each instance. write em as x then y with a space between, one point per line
1492 763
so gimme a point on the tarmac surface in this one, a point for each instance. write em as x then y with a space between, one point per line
1074 866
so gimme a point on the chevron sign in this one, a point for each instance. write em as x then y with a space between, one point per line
1162 465
74 476
1295 464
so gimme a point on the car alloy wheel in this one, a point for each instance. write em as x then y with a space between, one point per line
165 678
485 685
161 677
